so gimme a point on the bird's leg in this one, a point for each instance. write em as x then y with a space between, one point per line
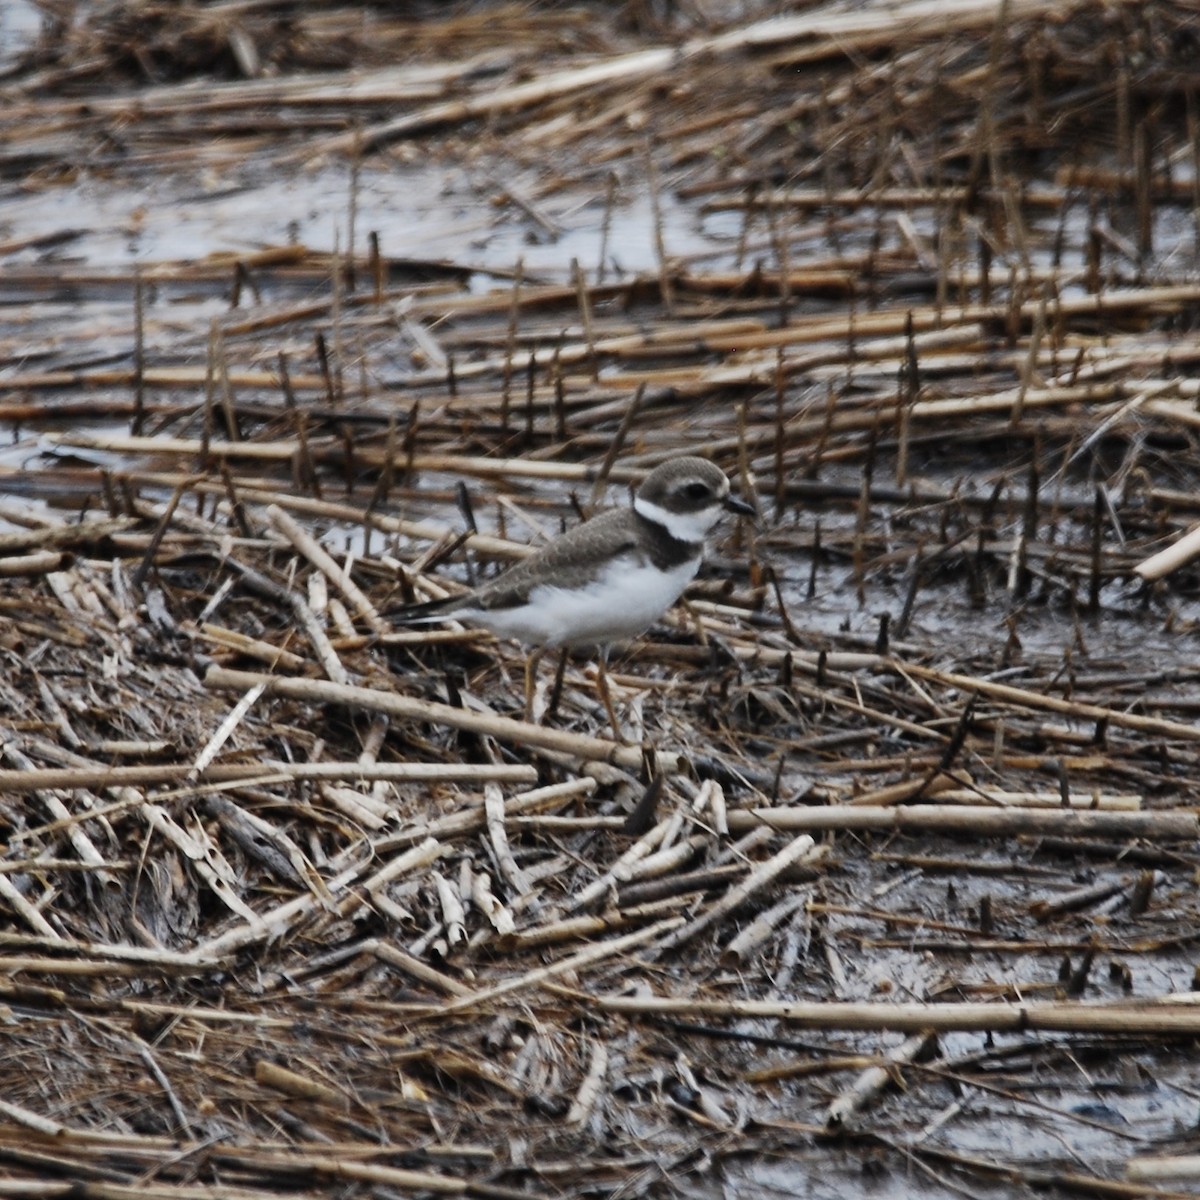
605 694
531 666
556 691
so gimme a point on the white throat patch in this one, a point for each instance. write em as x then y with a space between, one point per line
691 528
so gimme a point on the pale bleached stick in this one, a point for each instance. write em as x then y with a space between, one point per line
896 196
275 657
1024 698
747 943
1159 1015
429 531
1177 555
560 824
667 859
955 787
339 617
821 33
1079 898
361 807
26 911
493 807
317 587
410 81
581 958
620 871
249 1159
554 793
225 730
429 851
948 328
430 348
320 691
301 609
40 563
388 772
1109 801
403 1180
1154 1168
484 899
991 822
589 1088
30 1120
372 744
711 798
391 910
325 562
319 640
416 968
454 916
144 956
761 877
292 1083
874 1079
573 929
20 964
183 1125
283 451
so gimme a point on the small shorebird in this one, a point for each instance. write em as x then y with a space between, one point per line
605 580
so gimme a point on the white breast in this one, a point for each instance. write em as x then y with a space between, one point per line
620 603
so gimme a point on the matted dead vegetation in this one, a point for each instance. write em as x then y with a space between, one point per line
894 869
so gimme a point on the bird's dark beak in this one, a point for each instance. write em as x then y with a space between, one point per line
738 505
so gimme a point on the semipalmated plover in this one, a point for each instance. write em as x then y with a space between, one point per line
607 579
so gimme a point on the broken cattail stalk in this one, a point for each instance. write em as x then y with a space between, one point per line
762 875
1177 555
875 1078
318 691
1168 1015
988 822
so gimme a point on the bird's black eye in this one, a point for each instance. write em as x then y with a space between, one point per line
697 491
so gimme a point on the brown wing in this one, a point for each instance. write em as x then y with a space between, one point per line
572 560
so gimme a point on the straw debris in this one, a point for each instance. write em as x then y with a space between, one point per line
293 900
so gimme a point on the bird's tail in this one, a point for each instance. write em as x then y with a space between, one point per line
424 614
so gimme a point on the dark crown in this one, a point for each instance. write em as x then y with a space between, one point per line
685 485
